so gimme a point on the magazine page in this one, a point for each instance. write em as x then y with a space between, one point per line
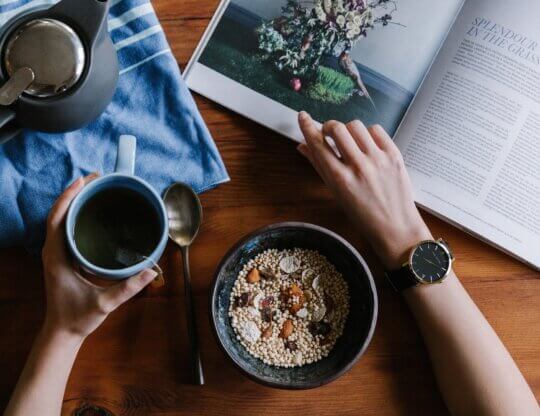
471 139
336 59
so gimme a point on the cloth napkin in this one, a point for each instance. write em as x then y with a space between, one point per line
151 102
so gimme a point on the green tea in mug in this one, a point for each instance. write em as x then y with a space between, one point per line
117 228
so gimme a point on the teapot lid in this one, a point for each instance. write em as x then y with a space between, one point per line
52 50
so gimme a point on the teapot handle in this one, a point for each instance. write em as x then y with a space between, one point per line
7 132
90 16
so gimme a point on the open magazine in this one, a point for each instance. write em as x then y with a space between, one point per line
456 82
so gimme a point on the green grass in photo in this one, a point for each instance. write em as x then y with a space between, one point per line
330 86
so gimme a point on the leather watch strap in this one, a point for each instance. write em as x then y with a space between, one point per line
401 279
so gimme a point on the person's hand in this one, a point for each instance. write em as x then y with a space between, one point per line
370 182
74 305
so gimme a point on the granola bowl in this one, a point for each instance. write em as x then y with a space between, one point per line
289 344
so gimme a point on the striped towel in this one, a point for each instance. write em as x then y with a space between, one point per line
151 102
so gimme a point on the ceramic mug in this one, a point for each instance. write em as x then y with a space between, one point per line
123 177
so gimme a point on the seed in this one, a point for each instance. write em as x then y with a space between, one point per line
289 264
250 331
318 313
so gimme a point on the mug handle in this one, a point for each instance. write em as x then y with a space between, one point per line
125 158
7 132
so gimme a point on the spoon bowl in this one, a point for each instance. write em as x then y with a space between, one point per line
184 210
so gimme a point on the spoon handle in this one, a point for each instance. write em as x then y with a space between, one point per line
192 322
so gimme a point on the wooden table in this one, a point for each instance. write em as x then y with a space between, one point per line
136 363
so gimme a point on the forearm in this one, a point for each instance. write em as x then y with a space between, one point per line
42 384
475 372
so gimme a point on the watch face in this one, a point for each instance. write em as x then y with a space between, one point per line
430 262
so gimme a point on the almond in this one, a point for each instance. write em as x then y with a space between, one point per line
253 276
295 290
267 333
295 307
286 329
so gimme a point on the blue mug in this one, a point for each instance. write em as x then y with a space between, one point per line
123 177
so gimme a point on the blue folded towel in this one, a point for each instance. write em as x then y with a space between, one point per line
152 103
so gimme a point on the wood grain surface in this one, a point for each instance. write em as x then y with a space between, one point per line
136 363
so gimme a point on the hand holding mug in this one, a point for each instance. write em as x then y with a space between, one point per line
74 305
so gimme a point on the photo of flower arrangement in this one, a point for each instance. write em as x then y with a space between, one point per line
297 41
311 55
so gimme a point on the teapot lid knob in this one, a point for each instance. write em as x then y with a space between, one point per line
52 50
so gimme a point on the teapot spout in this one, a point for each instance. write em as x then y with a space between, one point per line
89 16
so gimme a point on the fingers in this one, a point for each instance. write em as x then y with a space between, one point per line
60 207
304 150
320 150
116 295
361 136
54 245
381 138
346 144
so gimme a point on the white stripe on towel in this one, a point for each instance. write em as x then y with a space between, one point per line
130 15
138 37
145 60
4 17
5 2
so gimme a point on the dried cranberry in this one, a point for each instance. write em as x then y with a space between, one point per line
267 302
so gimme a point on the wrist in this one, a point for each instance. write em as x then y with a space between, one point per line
57 335
397 244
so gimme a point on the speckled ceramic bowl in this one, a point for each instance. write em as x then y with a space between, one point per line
360 322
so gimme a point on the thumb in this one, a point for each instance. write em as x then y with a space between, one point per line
122 292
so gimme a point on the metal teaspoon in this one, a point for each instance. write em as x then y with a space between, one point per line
185 215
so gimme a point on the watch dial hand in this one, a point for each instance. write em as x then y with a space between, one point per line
430 262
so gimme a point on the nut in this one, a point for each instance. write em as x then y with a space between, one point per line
295 290
253 276
267 333
295 307
286 329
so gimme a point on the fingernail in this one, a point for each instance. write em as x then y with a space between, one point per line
93 175
303 116
76 183
301 148
149 274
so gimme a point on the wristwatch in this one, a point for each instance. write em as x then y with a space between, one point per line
429 262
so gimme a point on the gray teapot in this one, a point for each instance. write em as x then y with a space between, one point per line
59 68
